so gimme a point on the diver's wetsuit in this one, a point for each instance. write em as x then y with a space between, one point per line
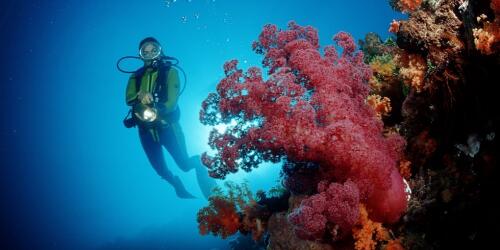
170 135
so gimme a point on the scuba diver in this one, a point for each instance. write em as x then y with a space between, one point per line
152 92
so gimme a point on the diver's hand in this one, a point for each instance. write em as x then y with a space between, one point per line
145 97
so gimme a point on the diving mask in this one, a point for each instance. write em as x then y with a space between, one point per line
150 51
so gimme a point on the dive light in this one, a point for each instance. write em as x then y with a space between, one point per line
145 113
149 115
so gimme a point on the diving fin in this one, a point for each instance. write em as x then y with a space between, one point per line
205 182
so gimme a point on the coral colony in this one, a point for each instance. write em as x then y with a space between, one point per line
357 130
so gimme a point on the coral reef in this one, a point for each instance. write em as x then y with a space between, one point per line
310 107
487 37
283 237
349 126
239 210
335 206
223 214
394 27
369 234
448 119
405 5
381 105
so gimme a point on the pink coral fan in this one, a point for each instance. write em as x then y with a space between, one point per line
310 109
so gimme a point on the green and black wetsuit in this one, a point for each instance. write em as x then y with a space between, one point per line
170 134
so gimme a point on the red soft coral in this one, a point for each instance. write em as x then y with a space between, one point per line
409 5
394 26
335 204
311 109
219 218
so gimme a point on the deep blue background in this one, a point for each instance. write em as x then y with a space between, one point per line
71 176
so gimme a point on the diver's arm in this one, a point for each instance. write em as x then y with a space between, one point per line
131 94
173 91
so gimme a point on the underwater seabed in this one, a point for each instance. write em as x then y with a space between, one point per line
393 146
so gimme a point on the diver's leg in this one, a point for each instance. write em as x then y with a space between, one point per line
173 140
154 153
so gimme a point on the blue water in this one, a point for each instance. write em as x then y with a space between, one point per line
72 177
